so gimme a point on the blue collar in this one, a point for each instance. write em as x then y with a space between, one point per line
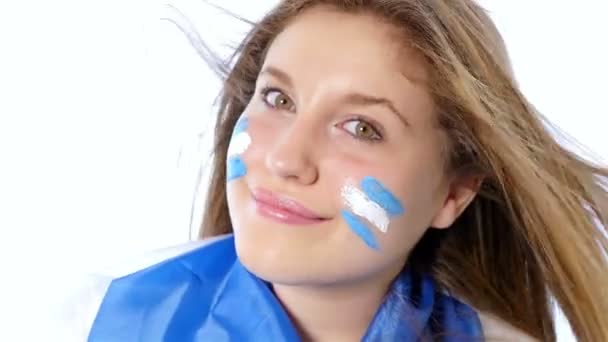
207 295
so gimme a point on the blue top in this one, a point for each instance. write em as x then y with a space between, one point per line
207 295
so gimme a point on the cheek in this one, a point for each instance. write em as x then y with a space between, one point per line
416 190
386 204
369 207
264 133
251 139
239 143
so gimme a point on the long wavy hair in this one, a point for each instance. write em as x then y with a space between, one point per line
536 232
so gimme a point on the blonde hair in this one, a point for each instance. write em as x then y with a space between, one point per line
536 230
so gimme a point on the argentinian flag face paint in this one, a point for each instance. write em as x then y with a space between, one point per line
239 143
369 204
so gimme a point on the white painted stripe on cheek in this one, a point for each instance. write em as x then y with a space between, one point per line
239 144
361 205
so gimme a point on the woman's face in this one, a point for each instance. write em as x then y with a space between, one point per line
335 167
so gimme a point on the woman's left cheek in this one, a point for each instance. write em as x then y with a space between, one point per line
369 206
239 143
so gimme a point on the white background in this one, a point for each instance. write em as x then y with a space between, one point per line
105 111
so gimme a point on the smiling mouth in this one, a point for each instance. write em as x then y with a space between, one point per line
283 209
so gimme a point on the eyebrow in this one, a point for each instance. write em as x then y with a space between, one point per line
277 73
368 100
353 98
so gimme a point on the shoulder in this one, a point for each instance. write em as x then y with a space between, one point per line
158 272
164 292
495 329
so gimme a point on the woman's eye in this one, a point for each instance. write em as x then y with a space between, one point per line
362 130
276 99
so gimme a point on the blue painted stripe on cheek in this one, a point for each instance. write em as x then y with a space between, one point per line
360 229
236 168
241 125
381 195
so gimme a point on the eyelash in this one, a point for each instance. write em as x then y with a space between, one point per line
378 133
267 90
374 126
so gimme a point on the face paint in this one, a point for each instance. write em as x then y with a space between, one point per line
359 228
235 169
374 203
239 143
358 202
379 194
241 125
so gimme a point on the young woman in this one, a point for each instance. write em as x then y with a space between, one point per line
378 176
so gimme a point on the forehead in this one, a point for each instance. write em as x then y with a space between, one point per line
324 39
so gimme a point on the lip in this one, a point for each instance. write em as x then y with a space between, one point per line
283 209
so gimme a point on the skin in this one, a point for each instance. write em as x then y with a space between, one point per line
306 145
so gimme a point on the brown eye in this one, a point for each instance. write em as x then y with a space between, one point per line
362 130
276 99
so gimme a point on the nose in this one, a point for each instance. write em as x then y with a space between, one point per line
292 156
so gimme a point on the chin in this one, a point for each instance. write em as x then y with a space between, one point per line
298 265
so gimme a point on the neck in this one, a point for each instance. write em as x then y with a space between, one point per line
336 312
